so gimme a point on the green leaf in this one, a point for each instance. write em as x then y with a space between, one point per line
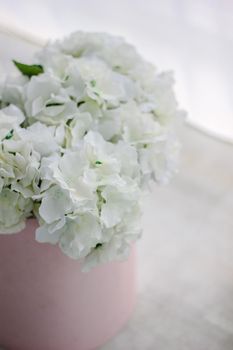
9 135
98 162
52 104
93 83
29 70
98 245
80 103
69 121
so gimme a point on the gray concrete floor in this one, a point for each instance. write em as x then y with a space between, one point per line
185 257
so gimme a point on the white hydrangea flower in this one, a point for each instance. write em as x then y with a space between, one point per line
118 54
82 132
47 101
116 242
12 90
118 202
19 165
76 237
160 159
68 174
139 128
14 209
55 204
77 128
45 144
54 62
103 84
10 118
80 235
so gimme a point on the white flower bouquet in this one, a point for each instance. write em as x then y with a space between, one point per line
82 132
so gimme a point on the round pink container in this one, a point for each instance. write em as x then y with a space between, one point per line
47 303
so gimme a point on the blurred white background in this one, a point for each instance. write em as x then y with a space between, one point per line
193 38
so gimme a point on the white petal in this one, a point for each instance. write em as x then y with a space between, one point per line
54 205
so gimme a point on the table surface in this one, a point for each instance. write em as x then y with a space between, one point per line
185 258
185 261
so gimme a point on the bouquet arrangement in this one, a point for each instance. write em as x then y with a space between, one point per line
83 130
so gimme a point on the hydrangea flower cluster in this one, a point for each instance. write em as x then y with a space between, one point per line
82 132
